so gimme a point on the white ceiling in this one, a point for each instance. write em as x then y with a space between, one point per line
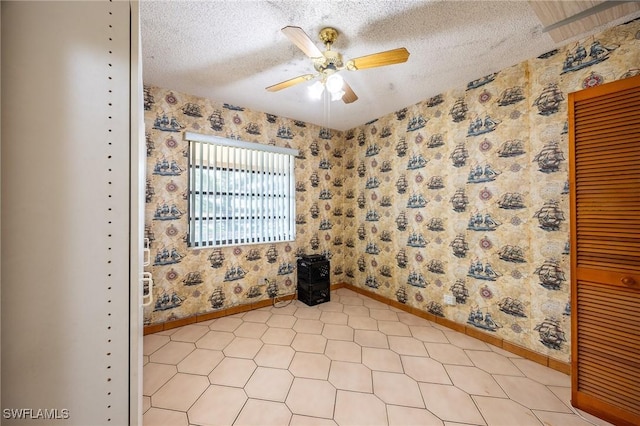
230 51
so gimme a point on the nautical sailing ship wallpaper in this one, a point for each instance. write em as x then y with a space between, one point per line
524 142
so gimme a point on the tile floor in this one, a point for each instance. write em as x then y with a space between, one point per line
351 361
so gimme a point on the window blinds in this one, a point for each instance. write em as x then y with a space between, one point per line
239 192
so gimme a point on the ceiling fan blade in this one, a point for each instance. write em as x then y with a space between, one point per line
302 40
290 82
349 95
380 59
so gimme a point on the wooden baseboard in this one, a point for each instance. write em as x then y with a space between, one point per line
168 325
545 360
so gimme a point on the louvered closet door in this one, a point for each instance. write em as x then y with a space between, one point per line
605 250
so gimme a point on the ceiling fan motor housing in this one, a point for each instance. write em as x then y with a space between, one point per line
330 63
328 35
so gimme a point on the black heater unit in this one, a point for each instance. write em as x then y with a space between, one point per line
314 285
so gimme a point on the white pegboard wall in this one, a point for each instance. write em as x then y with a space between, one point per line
66 205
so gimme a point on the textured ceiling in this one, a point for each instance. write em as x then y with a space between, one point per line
230 51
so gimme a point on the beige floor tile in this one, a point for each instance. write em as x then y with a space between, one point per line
450 404
338 332
243 347
371 338
309 397
257 315
542 374
189 333
428 334
275 356
253 330
302 305
337 363
229 324
560 419
339 350
160 417
397 389
309 313
281 321
308 326
345 292
278 336
410 319
393 328
310 365
153 342
330 317
500 411
374 304
331 306
465 342
381 360
180 392
356 310
407 416
218 406
439 326
309 343
407 346
146 403
363 323
461 424
155 375
167 332
269 383
564 394
351 376
298 420
172 353
215 340
423 369
531 394
503 352
493 363
263 413
355 409
351 300
591 419
200 361
383 314
284 307
474 381
232 372
447 354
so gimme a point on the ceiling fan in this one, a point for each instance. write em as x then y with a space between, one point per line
329 62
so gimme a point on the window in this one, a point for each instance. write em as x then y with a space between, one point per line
239 192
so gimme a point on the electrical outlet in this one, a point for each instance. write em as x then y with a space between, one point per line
449 299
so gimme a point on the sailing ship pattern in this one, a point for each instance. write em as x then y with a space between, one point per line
550 333
398 154
460 291
217 298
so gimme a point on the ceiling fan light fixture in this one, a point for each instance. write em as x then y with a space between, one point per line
315 90
334 83
336 96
